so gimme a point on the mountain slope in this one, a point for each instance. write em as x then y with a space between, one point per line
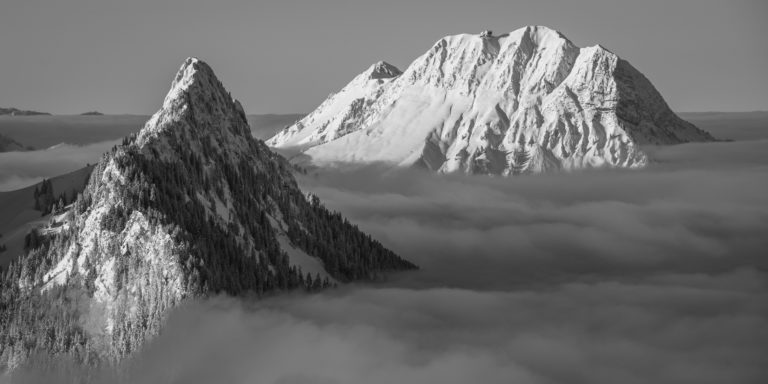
527 101
8 144
191 205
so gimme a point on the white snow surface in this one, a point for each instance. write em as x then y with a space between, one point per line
527 101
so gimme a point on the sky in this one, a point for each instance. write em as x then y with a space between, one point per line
286 56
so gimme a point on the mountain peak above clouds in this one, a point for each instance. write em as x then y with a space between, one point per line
526 101
197 91
190 206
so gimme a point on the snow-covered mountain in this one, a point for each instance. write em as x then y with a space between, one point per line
527 101
191 205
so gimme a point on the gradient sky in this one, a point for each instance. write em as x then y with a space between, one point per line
72 56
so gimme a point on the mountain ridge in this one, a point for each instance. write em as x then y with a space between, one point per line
484 103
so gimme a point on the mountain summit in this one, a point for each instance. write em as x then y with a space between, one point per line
383 70
527 101
191 206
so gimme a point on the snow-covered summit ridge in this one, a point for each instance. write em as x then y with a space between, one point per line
383 70
198 93
526 101
196 80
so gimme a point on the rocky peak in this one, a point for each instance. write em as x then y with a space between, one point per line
383 70
198 100
540 35
483 104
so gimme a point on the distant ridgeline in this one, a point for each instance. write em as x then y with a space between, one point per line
19 112
189 207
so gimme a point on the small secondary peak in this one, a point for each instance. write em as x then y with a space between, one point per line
383 70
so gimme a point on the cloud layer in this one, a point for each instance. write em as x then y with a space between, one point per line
701 208
20 169
666 329
657 275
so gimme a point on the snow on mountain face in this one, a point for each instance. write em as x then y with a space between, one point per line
191 205
527 101
340 114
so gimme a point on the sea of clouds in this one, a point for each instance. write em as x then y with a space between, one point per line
22 169
649 276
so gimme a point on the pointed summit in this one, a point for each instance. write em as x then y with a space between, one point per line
191 70
197 98
196 78
383 70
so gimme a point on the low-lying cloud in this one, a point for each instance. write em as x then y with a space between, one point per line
665 329
647 276
680 214
20 169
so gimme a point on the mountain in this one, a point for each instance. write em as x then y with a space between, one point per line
8 144
19 112
92 113
527 101
190 206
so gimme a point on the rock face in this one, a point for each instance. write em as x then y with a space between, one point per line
527 101
191 206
